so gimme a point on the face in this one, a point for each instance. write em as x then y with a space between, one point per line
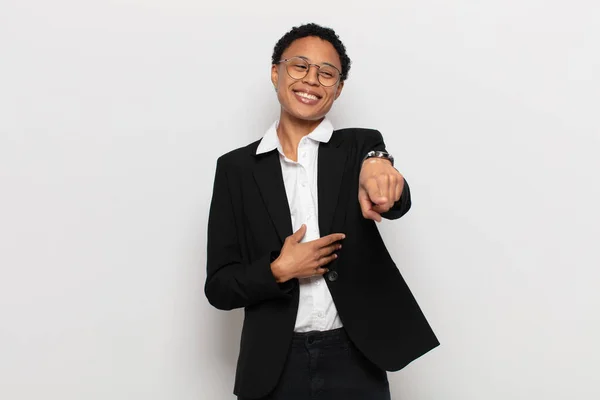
306 98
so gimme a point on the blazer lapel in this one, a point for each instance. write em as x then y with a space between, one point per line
269 179
332 164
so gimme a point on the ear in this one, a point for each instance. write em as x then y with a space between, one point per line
274 75
338 91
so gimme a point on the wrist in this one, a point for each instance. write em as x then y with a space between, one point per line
377 161
379 155
277 272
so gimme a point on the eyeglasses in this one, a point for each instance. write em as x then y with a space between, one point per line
298 67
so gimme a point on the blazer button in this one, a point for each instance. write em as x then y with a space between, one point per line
332 276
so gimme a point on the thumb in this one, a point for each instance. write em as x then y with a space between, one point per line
299 234
364 200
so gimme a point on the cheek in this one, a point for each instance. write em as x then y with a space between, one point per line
330 98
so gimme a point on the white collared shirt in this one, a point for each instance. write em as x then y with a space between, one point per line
316 310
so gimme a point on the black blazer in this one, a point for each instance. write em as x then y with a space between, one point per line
248 222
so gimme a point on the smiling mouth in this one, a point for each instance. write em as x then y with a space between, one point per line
307 95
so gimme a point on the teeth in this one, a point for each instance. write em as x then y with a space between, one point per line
307 96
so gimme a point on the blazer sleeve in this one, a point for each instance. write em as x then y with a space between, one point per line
231 282
374 141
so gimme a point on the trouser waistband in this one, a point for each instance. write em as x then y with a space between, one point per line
331 337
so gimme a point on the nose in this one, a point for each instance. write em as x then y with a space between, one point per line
312 77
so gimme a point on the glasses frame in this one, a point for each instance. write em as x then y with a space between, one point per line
286 60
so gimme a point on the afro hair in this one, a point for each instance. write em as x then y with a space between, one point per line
315 30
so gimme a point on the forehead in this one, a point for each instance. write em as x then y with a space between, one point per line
315 49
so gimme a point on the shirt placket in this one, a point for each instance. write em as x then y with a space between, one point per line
309 203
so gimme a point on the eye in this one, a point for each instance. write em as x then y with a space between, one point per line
328 72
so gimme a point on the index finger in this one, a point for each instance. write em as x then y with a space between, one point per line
373 189
329 239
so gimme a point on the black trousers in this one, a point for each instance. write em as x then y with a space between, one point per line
327 366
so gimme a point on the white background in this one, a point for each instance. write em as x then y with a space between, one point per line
112 115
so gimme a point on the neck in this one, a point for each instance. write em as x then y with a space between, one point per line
291 130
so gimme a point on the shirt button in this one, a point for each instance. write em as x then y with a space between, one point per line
332 276
303 184
320 314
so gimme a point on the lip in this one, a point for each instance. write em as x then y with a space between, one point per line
308 91
304 100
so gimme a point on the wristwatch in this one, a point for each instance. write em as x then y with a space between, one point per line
379 154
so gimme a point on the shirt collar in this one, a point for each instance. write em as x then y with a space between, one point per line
270 141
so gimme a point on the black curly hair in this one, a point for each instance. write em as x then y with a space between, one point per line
312 29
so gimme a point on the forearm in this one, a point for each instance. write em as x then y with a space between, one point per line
233 285
232 281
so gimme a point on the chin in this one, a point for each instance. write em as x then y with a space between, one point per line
308 115
304 112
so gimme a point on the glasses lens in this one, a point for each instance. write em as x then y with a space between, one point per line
297 68
328 76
